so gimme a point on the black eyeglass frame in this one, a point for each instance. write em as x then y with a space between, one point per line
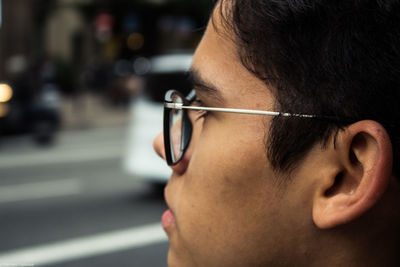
186 132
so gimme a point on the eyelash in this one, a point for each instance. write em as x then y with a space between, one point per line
202 113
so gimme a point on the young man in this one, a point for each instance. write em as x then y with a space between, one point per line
315 182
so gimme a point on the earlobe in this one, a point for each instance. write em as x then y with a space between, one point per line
363 155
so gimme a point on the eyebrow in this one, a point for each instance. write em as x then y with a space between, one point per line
204 86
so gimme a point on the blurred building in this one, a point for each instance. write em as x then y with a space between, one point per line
17 36
82 40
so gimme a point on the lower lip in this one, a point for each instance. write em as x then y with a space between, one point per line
167 219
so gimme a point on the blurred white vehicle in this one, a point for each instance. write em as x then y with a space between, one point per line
161 73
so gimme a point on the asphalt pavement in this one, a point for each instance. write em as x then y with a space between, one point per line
72 204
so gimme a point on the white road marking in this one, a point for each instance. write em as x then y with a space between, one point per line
38 190
52 157
87 246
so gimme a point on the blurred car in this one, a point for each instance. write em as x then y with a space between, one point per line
160 73
22 112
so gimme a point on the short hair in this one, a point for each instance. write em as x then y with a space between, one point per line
336 58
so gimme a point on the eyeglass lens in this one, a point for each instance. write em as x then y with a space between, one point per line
175 127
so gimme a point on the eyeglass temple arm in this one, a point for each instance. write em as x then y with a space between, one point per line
240 111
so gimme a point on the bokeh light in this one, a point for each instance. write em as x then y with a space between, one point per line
4 109
5 93
135 41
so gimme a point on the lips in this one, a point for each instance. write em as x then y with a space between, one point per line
167 219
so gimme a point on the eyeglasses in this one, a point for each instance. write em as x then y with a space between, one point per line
178 125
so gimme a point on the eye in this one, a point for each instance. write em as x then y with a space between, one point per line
199 113
202 115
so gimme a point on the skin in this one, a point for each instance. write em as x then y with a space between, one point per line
231 208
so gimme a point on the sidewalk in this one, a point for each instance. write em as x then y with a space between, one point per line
91 111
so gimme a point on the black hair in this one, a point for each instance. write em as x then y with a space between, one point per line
337 58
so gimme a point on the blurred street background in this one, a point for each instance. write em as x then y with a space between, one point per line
81 88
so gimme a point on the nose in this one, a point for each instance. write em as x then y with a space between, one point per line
158 145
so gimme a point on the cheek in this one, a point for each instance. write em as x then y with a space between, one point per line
228 156
227 198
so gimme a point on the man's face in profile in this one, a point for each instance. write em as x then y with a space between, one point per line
226 207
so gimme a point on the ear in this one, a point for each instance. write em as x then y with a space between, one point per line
363 159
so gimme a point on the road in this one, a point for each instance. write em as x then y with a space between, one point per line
71 204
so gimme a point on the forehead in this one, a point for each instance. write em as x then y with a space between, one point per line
217 61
